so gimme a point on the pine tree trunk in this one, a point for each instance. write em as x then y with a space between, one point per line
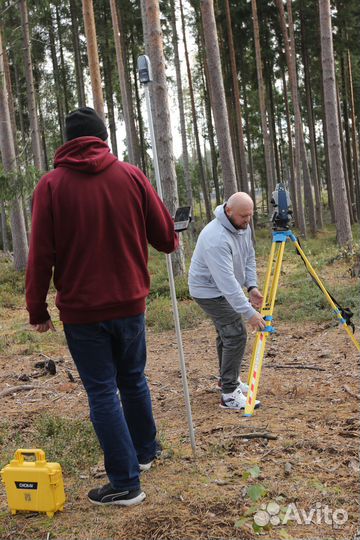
281 146
239 123
326 152
290 60
142 149
64 83
7 149
129 90
209 123
348 138
203 181
355 144
162 124
4 232
308 191
8 84
343 228
249 144
131 137
108 84
80 88
292 188
20 110
185 155
56 73
33 118
272 126
311 124
217 98
93 57
343 157
270 180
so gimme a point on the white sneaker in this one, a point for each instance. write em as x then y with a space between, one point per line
235 400
243 386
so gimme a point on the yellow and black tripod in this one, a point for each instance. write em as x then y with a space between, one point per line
271 285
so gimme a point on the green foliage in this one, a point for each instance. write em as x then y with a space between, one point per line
256 492
12 285
18 183
253 472
72 443
159 314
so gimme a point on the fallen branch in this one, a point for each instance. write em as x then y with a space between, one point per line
295 366
15 389
349 434
255 435
351 393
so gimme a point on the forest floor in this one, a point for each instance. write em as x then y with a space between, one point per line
308 471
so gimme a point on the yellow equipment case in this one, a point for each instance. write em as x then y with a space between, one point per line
36 486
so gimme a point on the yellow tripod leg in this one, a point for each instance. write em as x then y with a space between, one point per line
257 356
327 296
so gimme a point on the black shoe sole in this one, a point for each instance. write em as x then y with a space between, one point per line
257 406
121 502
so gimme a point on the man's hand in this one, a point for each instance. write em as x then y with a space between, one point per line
257 322
44 327
256 298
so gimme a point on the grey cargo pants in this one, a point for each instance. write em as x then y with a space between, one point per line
230 341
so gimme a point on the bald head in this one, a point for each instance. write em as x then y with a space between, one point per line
239 209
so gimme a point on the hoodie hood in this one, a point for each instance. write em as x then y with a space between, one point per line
84 154
224 220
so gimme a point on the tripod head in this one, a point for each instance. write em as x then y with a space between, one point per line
282 214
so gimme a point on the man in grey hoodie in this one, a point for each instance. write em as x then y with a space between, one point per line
222 264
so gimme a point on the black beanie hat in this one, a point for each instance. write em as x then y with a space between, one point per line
84 122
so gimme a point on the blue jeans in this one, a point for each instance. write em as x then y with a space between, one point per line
110 357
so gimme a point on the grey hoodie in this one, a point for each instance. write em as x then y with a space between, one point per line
222 263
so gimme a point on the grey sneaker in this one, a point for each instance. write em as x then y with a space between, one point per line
107 495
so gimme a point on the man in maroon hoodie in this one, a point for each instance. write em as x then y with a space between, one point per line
93 217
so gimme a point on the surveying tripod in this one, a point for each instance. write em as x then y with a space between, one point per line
271 285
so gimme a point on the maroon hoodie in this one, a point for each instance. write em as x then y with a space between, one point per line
93 217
